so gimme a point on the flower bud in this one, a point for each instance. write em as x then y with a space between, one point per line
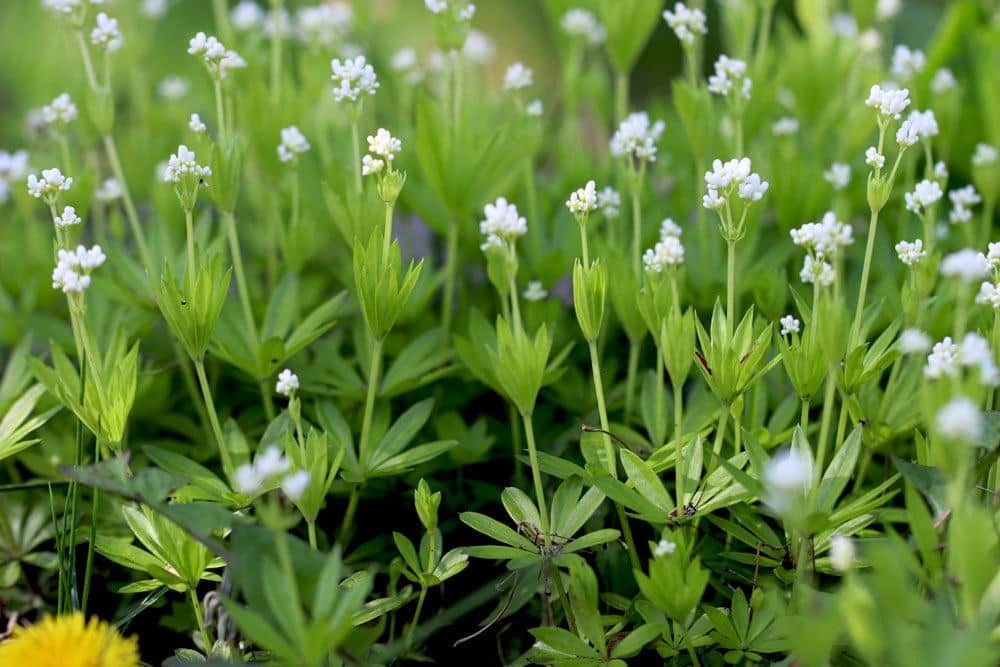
590 289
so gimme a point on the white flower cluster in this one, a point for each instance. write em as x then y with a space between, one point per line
610 202
406 64
517 77
106 33
383 148
183 163
943 81
578 22
960 419
984 154
785 126
72 272
925 193
838 175
109 190
924 124
502 225
906 62
50 184
293 143
196 124
888 103
354 78
874 159
583 200
68 218
824 238
462 11
727 178
288 383
219 60
686 23
636 137
786 478
173 88
325 23
948 357
60 112
967 265
535 291
790 324
962 201
250 478
989 292
664 548
817 271
910 253
730 74
914 341
668 251
154 9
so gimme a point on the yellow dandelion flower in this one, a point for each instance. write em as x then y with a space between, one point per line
69 641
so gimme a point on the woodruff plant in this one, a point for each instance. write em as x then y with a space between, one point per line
356 286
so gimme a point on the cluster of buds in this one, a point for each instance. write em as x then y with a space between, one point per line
635 139
73 268
730 80
582 24
251 478
354 78
668 253
382 149
947 358
889 105
824 241
728 184
686 23
49 185
293 143
218 60
186 175
453 19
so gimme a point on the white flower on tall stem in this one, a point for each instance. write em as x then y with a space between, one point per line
354 78
686 23
888 104
785 126
288 383
817 271
13 166
913 341
906 62
503 221
789 325
874 159
518 77
667 253
154 9
989 295
60 112
196 124
838 175
636 137
479 48
730 77
583 200
218 60
535 109
962 200
726 184
183 163
293 143
910 253
106 33
73 268
670 228
967 265
577 22
907 134
925 193
459 9
960 419
49 185
173 88
406 64
68 218
247 15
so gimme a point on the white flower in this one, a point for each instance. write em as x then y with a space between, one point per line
842 553
989 295
817 271
370 165
966 196
873 158
154 9
925 123
246 481
685 22
610 202
62 6
993 255
196 124
838 175
183 163
790 324
825 237
913 341
294 485
60 111
13 166
637 137
405 62
985 154
843 24
943 360
975 352
752 189
247 15
535 291
502 220
785 125
712 200
109 190
272 462
910 253
293 143
889 104
967 265
535 108
492 241
924 194
664 548
106 33
786 478
887 9
288 383
907 134
582 23
73 268
724 174
960 419
384 145
730 74
870 40
51 183
354 77
517 77
583 200
669 228
479 48
68 218
668 252
943 81
940 171
325 23
173 88
959 214
218 60
906 63
436 6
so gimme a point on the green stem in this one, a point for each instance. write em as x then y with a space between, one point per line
804 417
564 599
189 226
636 187
515 304
64 152
824 429
633 369
88 64
730 285
387 234
679 463
515 442
585 247
356 167
536 476
621 96
841 426
348 521
207 641
609 450
416 617
451 270
659 425
89 567
863 289
241 277
221 14
213 417
720 432
130 212
374 371
220 110
311 526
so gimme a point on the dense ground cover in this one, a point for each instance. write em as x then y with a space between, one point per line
348 334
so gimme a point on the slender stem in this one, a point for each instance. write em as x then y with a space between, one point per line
804 417
515 305
242 286
416 617
374 371
206 638
64 152
692 65
679 463
451 270
74 490
633 369
130 212
824 429
621 96
356 145
841 426
221 14
584 245
564 599
387 234
720 432
730 285
602 410
88 64
348 521
89 567
189 226
311 525
213 417
220 110
515 443
659 424
863 289
764 33
636 183
536 476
